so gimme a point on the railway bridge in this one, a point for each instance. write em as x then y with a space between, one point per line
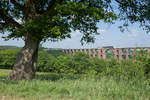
105 53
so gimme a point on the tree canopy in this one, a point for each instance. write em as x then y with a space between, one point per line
132 11
54 19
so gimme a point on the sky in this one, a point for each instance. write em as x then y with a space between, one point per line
110 36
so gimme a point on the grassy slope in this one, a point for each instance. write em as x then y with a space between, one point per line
62 87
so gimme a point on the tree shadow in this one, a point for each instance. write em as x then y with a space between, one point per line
43 76
3 79
55 77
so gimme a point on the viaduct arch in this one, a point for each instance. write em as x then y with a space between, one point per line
101 53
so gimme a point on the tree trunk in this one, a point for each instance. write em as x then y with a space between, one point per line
25 65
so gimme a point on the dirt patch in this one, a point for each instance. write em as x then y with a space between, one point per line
7 98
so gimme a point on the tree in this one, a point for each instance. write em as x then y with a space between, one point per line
40 20
135 11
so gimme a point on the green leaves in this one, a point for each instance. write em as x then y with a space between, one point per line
45 62
54 21
49 19
135 11
80 63
84 16
7 58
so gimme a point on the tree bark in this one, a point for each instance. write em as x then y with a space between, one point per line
25 65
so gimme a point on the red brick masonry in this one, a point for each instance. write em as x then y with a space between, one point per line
118 53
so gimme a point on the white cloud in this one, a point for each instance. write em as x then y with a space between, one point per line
134 33
76 34
101 31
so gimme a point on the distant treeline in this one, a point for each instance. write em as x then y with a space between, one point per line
8 47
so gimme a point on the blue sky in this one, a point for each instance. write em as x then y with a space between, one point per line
110 36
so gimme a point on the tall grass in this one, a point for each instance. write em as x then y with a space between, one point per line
66 87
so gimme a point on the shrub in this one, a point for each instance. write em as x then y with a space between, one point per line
63 64
97 65
55 53
127 70
7 58
77 64
144 58
81 63
45 62
100 66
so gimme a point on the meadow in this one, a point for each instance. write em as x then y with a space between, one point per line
78 77
50 86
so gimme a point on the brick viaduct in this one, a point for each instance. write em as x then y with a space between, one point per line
101 53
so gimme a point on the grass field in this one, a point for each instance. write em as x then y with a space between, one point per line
48 86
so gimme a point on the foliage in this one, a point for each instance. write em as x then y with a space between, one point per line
81 63
8 47
78 64
37 21
63 64
111 79
7 58
55 53
143 57
97 65
54 19
135 11
41 20
109 53
126 70
45 62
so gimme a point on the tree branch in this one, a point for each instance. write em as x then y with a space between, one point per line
52 4
2 23
10 21
36 1
118 1
16 4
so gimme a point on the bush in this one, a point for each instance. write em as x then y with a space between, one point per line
126 70
55 53
77 64
63 64
144 58
7 58
81 63
97 66
45 62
